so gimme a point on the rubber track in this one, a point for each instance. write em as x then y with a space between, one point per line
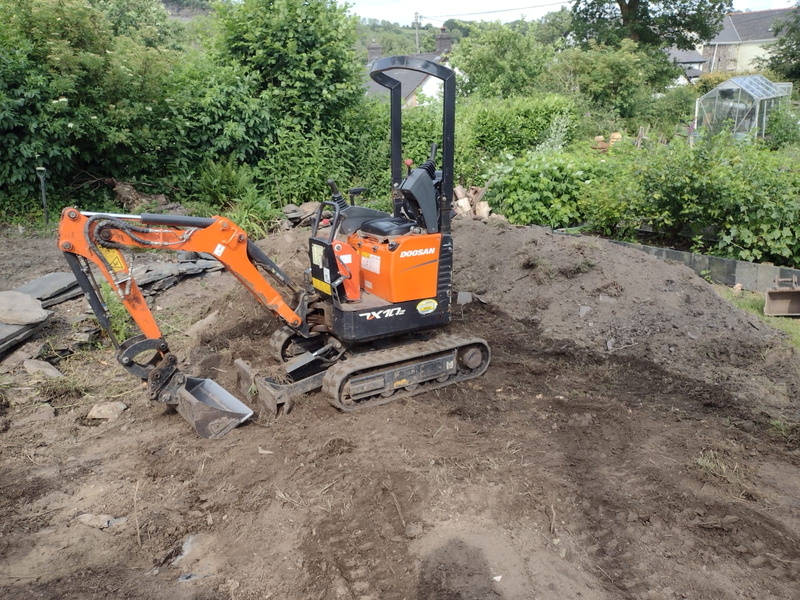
338 374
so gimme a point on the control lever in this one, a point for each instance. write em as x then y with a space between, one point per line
432 157
356 191
336 196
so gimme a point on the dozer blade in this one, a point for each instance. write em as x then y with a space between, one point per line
784 299
209 408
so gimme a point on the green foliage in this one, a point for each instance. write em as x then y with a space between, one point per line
221 184
542 187
684 23
783 127
302 51
708 81
500 62
784 54
121 322
740 200
610 203
146 20
393 38
622 79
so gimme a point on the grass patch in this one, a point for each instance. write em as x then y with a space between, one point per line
753 302
121 322
789 432
63 389
710 462
583 266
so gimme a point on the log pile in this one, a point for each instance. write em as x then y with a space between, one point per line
471 203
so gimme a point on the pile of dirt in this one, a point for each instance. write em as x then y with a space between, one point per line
612 300
621 445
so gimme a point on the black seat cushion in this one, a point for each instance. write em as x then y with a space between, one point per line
354 216
387 226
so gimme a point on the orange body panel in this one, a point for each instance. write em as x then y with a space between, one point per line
223 239
408 272
349 263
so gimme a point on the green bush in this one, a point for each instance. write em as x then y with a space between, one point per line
739 200
542 187
783 128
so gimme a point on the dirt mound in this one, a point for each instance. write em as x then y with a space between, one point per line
613 300
621 445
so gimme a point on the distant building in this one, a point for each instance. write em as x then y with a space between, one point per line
411 82
743 39
691 61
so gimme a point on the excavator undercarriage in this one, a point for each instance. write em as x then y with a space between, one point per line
364 326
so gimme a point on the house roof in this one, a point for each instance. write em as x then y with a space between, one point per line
686 57
754 26
409 80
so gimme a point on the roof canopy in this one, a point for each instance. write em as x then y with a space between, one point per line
757 86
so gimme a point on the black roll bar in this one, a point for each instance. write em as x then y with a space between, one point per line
448 77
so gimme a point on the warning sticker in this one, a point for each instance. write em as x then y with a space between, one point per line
316 254
326 274
219 250
371 262
114 258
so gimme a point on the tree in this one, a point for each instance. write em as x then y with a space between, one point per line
302 51
784 56
555 27
500 62
622 78
683 23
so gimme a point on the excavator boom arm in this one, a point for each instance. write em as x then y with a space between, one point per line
100 238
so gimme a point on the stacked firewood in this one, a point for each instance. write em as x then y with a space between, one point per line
471 203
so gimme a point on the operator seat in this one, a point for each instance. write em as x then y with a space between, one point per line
420 204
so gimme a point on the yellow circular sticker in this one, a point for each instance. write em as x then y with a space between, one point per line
426 307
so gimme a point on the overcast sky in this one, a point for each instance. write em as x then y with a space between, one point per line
402 11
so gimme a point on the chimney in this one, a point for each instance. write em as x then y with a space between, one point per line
373 52
444 42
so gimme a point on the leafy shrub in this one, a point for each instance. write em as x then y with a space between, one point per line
302 51
740 199
221 184
542 188
500 61
783 128
610 202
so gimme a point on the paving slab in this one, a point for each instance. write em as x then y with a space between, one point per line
17 308
49 285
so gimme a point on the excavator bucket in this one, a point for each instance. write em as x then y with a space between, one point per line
784 299
209 408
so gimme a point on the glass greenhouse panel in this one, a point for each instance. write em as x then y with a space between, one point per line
741 105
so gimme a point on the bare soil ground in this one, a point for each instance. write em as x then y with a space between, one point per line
632 438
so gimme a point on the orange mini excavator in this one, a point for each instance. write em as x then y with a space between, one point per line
360 325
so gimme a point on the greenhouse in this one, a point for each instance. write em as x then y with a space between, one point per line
743 104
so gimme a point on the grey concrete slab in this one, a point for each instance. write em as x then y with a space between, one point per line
722 270
766 277
699 263
747 275
49 285
13 335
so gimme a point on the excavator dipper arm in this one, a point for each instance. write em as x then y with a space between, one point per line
102 238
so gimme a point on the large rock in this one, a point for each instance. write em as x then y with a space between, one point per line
34 366
107 410
17 308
